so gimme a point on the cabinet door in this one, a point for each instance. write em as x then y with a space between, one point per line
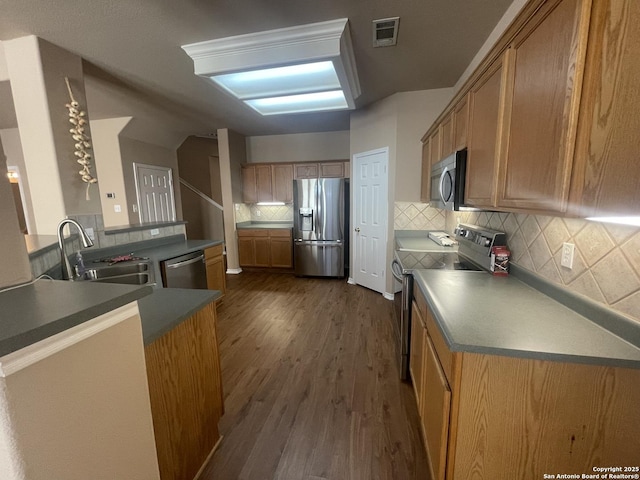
282 183
264 185
305 170
606 177
446 136
281 252
214 261
347 169
246 251
545 65
262 249
249 185
436 402
416 348
484 124
332 170
460 121
435 150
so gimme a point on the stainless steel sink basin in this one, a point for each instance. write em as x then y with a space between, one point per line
138 273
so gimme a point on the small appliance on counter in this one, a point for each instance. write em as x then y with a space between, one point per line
475 245
442 238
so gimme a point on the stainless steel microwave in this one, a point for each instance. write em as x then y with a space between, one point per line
447 181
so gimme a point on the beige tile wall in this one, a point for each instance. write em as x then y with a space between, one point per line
271 213
243 213
606 266
418 216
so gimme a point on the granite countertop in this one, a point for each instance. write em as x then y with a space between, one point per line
481 313
165 308
269 225
34 312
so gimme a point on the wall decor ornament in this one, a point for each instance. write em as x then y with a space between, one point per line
78 120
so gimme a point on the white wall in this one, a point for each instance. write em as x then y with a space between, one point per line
301 147
10 139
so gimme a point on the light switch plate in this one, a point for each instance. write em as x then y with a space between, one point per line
568 249
117 208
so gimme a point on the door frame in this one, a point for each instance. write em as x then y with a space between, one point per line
353 191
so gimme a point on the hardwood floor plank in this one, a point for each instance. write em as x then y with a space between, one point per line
312 390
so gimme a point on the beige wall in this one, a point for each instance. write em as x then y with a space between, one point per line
15 265
301 147
82 412
108 161
10 139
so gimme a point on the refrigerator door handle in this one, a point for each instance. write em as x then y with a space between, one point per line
318 243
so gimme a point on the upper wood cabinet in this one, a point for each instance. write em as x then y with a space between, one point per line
483 137
264 182
425 180
337 169
446 136
305 170
544 73
460 122
606 173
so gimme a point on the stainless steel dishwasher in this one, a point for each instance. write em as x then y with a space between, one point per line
185 271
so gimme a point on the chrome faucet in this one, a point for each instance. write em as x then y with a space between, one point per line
67 273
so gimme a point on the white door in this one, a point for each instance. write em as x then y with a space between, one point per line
370 180
154 188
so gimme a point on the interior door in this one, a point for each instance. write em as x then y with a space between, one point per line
370 218
154 188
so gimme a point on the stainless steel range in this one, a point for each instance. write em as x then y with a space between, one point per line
473 254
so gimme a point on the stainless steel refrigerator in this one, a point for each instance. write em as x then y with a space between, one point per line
320 216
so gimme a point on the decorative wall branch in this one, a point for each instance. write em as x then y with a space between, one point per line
78 118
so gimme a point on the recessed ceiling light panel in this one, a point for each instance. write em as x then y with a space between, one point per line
306 62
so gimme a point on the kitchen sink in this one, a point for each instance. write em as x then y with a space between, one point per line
139 273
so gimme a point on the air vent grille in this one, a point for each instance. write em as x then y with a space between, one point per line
385 32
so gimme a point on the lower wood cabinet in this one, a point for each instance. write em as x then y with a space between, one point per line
185 389
216 271
416 351
267 248
499 417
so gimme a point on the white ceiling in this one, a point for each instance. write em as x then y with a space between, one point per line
137 43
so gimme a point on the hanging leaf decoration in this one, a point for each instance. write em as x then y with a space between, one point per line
77 118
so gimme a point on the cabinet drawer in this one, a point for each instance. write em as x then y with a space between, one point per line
251 232
444 354
212 252
281 232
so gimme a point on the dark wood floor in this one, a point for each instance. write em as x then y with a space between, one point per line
311 384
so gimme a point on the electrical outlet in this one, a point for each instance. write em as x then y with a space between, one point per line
258 213
568 249
135 208
154 232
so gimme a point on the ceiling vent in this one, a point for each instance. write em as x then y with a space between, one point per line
385 32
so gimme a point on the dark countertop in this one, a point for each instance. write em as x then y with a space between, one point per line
269 225
482 313
34 312
167 307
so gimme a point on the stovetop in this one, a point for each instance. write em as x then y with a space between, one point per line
433 261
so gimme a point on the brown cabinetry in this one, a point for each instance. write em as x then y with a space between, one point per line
337 169
446 136
270 248
425 178
484 123
476 410
186 395
214 261
418 336
460 123
541 108
267 183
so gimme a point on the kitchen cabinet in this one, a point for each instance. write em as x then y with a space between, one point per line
483 137
435 150
606 173
185 388
425 178
460 122
446 136
267 183
501 417
544 75
216 271
265 248
418 336
334 169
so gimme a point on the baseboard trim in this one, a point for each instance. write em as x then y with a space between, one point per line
388 296
234 271
351 281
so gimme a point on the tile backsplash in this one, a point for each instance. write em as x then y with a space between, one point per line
606 265
263 213
418 216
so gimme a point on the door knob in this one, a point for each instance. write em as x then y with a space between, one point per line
358 229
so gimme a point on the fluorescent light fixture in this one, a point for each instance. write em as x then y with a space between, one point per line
307 68
306 102
630 220
270 203
272 82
